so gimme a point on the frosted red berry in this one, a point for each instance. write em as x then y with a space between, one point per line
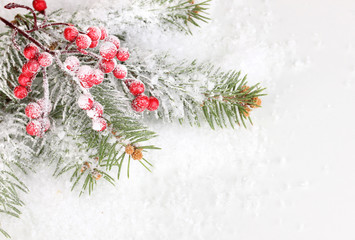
34 128
103 33
96 111
25 81
33 110
120 71
128 82
72 63
99 124
45 59
83 41
108 50
122 54
71 33
32 66
45 123
136 88
85 102
20 92
30 51
39 5
94 44
84 74
94 33
97 76
153 104
140 103
107 66
114 40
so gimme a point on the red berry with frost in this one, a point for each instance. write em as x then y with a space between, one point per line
99 124
26 72
72 63
103 33
33 66
39 5
30 51
94 33
140 103
114 40
45 123
96 111
25 81
108 50
97 76
45 59
107 66
122 54
120 71
71 33
41 102
33 110
153 104
128 82
94 44
83 41
84 75
20 92
136 88
34 128
85 102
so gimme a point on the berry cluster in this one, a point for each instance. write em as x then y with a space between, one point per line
141 101
37 112
94 110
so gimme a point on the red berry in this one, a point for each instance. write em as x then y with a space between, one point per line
96 111
45 123
99 124
34 128
94 44
33 110
85 101
122 54
39 5
41 103
120 71
20 92
107 66
113 40
140 103
70 33
84 75
83 41
108 50
103 33
94 33
128 82
153 104
45 59
72 63
30 51
136 88
97 76
25 81
32 66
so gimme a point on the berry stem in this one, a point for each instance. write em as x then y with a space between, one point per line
15 5
13 40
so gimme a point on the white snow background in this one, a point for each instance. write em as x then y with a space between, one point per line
290 176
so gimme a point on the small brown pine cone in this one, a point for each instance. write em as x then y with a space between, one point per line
245 89
96 175
258 102
137 155
247 111
85 166
129 149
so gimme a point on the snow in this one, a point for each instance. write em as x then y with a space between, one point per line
288 177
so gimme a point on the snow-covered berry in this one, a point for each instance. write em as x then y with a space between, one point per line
71 33
85 101
84 75
136 88
20 92
83 41
45 59
39 5
26 72
107 66
103 33
33 66
122 54
96 111
45 123
72 63
33 110
34 128
140 103
94 33
120 71
94 44
108 50
153 104
30 51
42 103
25 81
97 76
99 124
114 40
128 82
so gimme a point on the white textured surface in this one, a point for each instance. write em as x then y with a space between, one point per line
289 177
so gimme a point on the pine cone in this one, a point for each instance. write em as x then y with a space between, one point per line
245 89
246 113
129 149
257 102
137 155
